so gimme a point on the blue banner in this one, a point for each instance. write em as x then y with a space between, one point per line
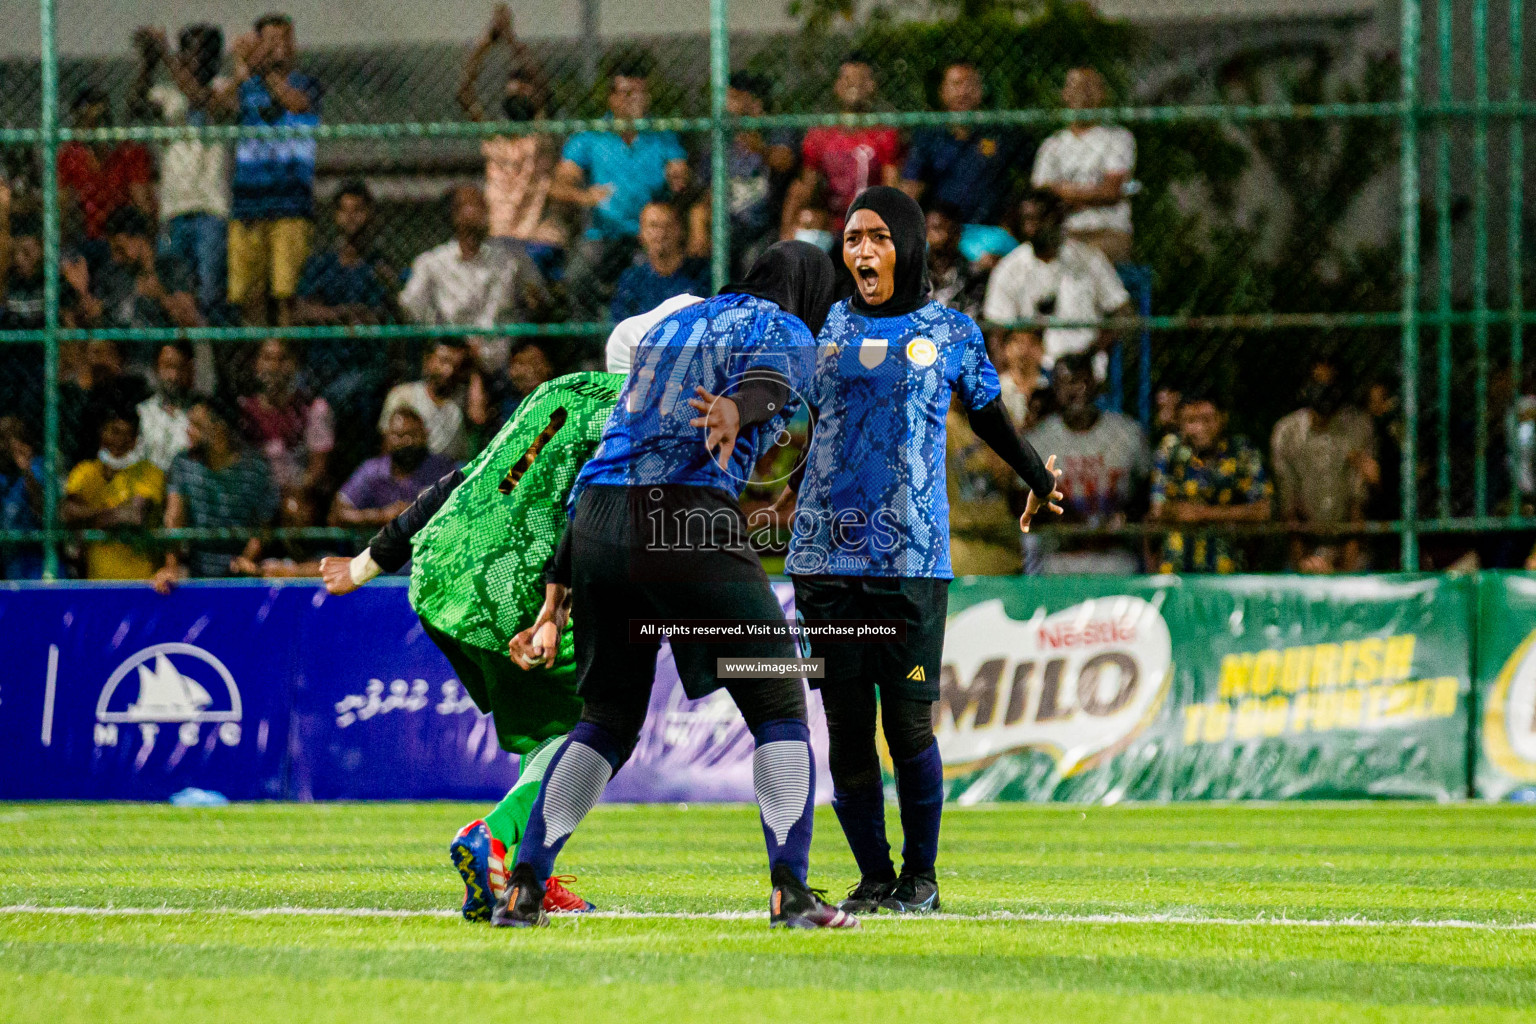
282 691
117 692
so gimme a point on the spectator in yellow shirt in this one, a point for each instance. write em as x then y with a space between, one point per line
117 489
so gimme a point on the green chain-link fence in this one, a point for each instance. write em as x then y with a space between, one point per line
1272 193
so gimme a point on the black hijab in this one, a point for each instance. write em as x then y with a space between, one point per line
909 231
796 276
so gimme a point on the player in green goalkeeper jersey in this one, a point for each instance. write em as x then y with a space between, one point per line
477 541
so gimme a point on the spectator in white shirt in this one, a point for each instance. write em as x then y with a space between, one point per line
194 175
1089 166
1053 275
163 416
443 400
471 284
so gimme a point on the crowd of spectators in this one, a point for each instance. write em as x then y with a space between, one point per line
598 225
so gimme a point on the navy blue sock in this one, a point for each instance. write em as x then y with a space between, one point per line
783 774
920 790
861 812
572 783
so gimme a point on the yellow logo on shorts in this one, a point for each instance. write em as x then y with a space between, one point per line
988 148
922 352
917 675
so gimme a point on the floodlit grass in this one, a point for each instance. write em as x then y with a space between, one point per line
1194 895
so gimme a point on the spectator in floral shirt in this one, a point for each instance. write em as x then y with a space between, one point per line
1202 476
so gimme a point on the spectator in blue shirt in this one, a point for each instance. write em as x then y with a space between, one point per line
348 284
967 167
614 175
661 270
760 167
21 497
273 183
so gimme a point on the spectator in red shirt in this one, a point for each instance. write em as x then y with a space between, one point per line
844 161
96 178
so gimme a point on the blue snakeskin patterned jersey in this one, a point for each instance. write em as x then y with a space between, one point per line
711 344
874 501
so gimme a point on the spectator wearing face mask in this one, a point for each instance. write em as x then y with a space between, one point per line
813 225
518 168
118 488
384 486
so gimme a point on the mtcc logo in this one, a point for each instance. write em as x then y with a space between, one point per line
176 684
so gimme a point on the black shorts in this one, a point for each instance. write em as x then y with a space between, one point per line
908 668
622 569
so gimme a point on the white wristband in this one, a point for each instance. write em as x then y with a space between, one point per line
364 568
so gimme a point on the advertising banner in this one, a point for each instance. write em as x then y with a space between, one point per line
120 693
1504 712
281 691
1163 688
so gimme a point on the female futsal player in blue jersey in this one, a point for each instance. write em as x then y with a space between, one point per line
871 530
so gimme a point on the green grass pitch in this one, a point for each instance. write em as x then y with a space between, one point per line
1305 913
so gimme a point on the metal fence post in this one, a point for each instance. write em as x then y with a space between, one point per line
50 128
719 206
1514 224
1445 276
1480 252
1409 196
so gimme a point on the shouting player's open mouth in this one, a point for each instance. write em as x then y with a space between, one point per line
870 255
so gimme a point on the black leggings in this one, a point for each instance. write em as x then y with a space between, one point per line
850 707
759 701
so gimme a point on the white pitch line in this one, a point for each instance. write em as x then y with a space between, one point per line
739 915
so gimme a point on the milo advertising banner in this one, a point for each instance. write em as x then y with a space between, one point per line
1161 688
1504 713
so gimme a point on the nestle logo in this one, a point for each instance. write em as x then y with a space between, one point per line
1086 636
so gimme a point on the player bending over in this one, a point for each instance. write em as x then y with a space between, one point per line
478 541
657 532
870 535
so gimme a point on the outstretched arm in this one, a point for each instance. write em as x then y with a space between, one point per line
992 425
390 548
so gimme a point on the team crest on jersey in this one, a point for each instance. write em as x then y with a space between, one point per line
922 352
872 352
